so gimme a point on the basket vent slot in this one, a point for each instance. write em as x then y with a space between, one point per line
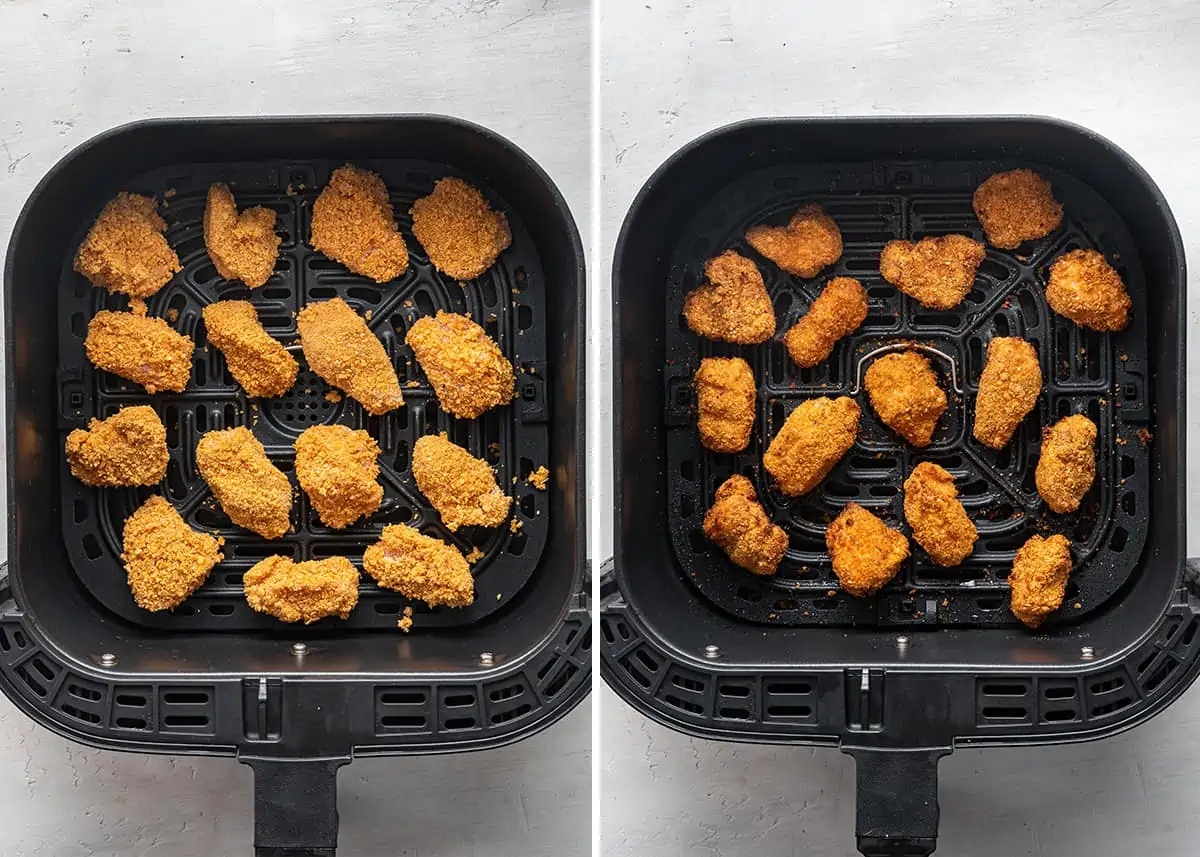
402 709
792 699
1004 701
188 709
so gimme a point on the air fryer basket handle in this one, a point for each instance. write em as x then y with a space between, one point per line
295 806
897 811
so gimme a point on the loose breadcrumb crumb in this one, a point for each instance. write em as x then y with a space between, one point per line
539 478
475 555
406 621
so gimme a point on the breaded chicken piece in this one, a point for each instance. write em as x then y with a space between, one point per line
732 304
1008 389
340 348
1039 578
129 448
810 241
461 487
1066 467
938 272
468 371
125 251
939 522
252 491
352 223
837 312
904 391
141 349
813 439
165 559
242 246
725 393
739 526
866 552
1015 207
302 591
1086 289
338 469
257 361
420 566
462 235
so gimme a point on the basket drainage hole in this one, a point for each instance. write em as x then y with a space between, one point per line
185 698
131 723
127 700
91 546
459 700
220 609
746 592
183 720
1060 693
1061 715
460 723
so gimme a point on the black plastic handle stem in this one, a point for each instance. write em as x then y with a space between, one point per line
897 811
295 806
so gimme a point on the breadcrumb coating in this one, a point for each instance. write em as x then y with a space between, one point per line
141 349
1066 467
340 348
125 251
302 591
338 469
837 312
1008 390
539 478
904 392
732 303
165 559
129 448
725 394
420 566
939 522
810 241
460 232
1086 289
242 246
352 223
938 272
813 439
257 361
1039 578
739 526
461 487
1016 206
252 491
866 552
468 371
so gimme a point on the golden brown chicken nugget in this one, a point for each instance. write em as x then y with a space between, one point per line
257 361
1008 389
1086 289
461 487
302 591
420 566
739 526
461 233
242 246
468 371
725 393
252 491
340 348
810 241
338 469
866 552
813 439
1015 207
1066 467
352 223
165 559
141 349
904 391
1039 578
129 448
837 312
939 522
732 303
938 272
125 250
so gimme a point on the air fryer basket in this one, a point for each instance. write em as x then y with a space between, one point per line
212 676
936 659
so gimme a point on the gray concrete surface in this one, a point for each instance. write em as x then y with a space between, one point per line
71 69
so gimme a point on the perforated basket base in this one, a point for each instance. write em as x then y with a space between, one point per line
1101 375
508 300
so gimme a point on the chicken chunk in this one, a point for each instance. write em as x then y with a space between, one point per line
810 241
468 371
938 272
302 591
252 491
165 559
725 393
257 361
125 251
352 223
904 391
340 348
813 439
242 246
866 552
732 303
462 235
1066 467
837 312
1016 206
1087 290
1008 390
461 487
939 522
737 524
141 349
338 469
420 566
129 448
1039 578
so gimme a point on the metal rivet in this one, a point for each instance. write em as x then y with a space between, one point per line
1087 653
487 659
108 659
299 649
712 651
902 641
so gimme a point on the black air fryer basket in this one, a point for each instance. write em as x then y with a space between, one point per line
212 676
935 660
